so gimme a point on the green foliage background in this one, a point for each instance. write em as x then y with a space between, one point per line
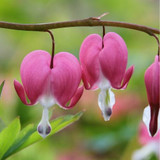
90 138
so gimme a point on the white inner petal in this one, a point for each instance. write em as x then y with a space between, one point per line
146 151
147 117
112 98
47 101
104 83
106 100
44 126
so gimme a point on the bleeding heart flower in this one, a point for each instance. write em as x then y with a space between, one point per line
49 86
150 144
104 66
152 82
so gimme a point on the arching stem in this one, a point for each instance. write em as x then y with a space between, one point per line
53 48
157 39
104 32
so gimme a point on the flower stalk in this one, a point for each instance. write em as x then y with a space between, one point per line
53 48
104 32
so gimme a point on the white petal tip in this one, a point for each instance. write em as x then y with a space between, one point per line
107 114
106 119
44 127
106 100
44 130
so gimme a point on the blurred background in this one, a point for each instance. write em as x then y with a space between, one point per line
90 138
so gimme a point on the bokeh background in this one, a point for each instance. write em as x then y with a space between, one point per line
90 138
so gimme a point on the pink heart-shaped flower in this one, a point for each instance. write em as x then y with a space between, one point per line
47 86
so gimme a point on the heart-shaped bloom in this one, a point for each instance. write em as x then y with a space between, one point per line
104 66
150 144
47 86
152 82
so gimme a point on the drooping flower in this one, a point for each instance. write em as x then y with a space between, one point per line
152 82
150 145
104 66
49 86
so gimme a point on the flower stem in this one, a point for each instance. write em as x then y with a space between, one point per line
53 48
157 42
104 32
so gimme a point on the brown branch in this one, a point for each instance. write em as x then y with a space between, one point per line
77 23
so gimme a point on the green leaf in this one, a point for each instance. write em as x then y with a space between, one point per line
1 87
57 125
21 138
29 134
2 125
8 136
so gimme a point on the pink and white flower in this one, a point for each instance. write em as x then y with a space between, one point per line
103 63
151 115
49 86
150 144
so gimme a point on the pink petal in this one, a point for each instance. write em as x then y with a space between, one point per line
65 77
75 98
144 137
21 93
153 125
126 79
89 51
34 73
113 58
152 82
86 83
